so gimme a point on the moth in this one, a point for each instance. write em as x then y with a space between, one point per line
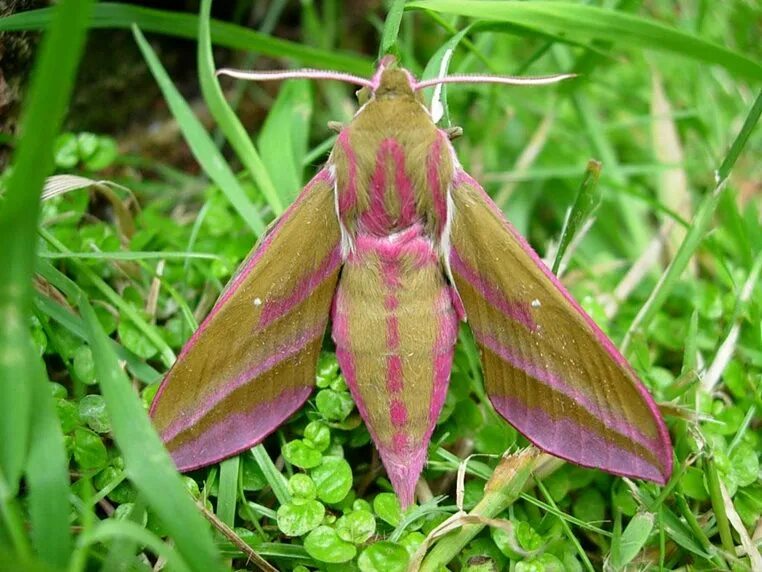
397 244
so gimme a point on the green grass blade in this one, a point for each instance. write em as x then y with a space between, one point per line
227 490
199 141
625 547
274 477
47 476
74 325
391 28
43 112
438 66
146 461
282 141
109 15
588 23
222 112
109 530
131 255
149 330
584 205
696 231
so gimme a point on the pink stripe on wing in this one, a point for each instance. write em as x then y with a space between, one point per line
541 374
516 311
276 308
559 436
215 398
235 433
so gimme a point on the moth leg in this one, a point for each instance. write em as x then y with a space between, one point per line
453 132
336 126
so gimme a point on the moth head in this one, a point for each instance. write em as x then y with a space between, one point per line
388 82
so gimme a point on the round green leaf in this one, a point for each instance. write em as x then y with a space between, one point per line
252 477
300 516
412 540
543 563
744 462
89 450
590 506
333 478
87 144
57 390
387 507
135 340
318 434
300 454
528 537
334 405
383 556
327 370
84 365
104 154
324 545
125 512
302 486
92 410
65 151
356 527
68 414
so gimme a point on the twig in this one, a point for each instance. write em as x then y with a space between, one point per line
237 541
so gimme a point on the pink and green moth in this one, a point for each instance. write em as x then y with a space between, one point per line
396 244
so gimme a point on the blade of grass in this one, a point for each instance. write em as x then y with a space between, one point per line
42 114
273 476
222 112
720 514
199 141
146 461
47 476
149 331
437 66
132 255
626 546
566 528
282 141
108 530
587 23
696 231
391 28
73 324
227 490
109 15
584 205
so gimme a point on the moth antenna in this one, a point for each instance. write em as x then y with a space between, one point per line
271 75
504 79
